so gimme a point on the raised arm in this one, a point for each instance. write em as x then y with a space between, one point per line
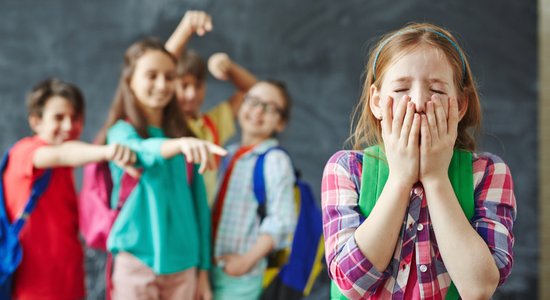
193 21
223 68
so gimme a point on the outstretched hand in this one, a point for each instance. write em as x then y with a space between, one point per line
201 152
124 157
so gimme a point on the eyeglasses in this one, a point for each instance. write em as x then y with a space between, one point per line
268 108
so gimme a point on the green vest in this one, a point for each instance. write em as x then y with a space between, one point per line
375 175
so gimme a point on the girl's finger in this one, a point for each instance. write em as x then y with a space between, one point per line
432 122
187 153
126 155
397 121
453 117
440 115
208 23
119 153
133 157
414 135
132 171
386 115
425 137
407 124
204 158
215 149
195 153
200 22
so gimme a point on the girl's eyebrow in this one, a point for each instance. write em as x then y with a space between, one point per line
430 80
437 80
402 79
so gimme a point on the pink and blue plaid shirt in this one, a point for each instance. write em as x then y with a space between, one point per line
355 275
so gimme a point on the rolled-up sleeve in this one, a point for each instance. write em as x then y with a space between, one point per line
147 150
280 220
495 210
348 267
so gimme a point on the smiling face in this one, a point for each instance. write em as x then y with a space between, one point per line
58 122
421 74
260 114
153 80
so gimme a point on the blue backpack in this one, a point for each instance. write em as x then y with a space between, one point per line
10 248
292 272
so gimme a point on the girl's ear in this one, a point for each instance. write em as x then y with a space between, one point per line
34 122
374 102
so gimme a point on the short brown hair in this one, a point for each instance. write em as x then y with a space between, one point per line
192 63
44 90
281 86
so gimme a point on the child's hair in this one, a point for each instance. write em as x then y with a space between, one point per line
281 86
192 63
125 106
393 46
44 90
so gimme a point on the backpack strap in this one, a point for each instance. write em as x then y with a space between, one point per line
375 173
215 135
213 129
38 187
259 182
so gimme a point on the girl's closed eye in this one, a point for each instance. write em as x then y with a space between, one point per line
400 89
438 91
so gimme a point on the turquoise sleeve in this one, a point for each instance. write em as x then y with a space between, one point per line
147 150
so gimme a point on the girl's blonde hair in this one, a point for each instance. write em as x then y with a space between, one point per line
394 45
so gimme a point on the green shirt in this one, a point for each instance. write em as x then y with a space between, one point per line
165 222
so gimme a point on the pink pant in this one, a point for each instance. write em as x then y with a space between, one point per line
133 280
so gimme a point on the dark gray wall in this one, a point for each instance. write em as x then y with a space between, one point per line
317 46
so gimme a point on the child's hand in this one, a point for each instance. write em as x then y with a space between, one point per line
123 157
200 152
203 291
438 135
235 264
219 65
400 133
197 22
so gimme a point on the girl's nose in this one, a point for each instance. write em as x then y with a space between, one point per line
161 82
67 124
190 92
420 97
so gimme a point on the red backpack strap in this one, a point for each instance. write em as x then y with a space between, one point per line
215 135
213 129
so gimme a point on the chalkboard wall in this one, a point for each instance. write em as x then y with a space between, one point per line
317 46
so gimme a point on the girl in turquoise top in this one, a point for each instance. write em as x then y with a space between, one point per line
161 238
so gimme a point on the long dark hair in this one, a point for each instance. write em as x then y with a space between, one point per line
125 106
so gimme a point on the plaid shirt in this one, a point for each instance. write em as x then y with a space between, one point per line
355 275
239 225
